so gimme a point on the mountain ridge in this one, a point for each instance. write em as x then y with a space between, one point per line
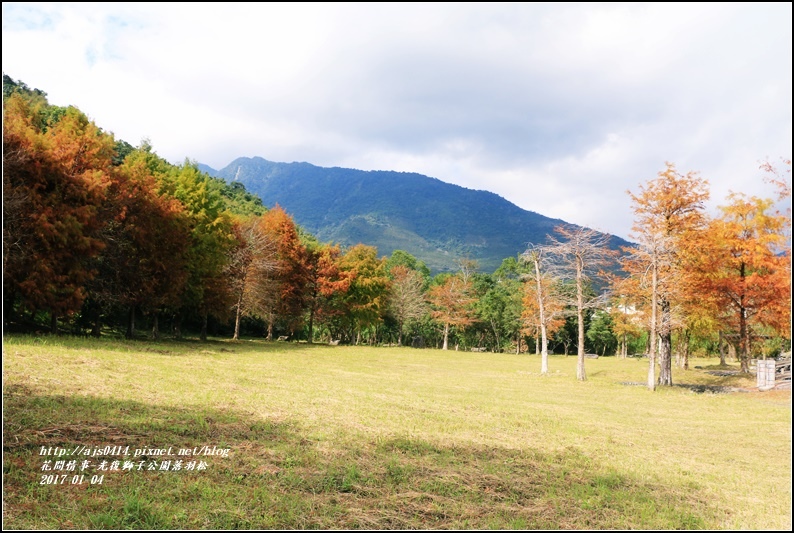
436 221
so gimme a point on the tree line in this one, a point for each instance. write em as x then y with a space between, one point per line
708 284
101 236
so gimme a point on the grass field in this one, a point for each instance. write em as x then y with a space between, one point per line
382 438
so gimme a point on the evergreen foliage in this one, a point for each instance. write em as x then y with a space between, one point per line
437 222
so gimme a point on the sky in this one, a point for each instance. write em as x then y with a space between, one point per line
559 108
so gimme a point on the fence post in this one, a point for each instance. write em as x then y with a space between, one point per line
765 374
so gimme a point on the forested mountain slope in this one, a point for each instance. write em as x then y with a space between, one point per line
435 221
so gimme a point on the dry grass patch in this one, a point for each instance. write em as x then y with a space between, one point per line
346 437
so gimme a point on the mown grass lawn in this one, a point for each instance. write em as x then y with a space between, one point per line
384 438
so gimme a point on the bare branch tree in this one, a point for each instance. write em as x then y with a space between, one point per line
544 296
580 254
653 261
468 267
249 269
407 299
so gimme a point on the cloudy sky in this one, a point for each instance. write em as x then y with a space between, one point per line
559 108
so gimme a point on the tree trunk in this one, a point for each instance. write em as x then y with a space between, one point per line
744 331
682 356
580 372
131 323
723 350
665 360
53 323
496 336
311 323
96 330
446 337
204 317
544 350
8 306
544 356
156 326
178 326
652 334
744 341
666 354
237 317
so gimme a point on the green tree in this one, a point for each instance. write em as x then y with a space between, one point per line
499 308
367 298
600 333
403 258
211 240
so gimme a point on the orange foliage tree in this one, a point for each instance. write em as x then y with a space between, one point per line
291 276
669 212
326 282
56 173
627 309
745 265
145 236
452 303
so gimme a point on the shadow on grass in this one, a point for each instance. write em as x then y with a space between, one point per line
277 477
166 346
708 381
713 389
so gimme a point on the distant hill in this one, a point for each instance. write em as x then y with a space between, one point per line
435 221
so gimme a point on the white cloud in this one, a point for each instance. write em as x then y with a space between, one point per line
558 108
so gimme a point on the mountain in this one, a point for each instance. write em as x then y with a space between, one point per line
435 221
